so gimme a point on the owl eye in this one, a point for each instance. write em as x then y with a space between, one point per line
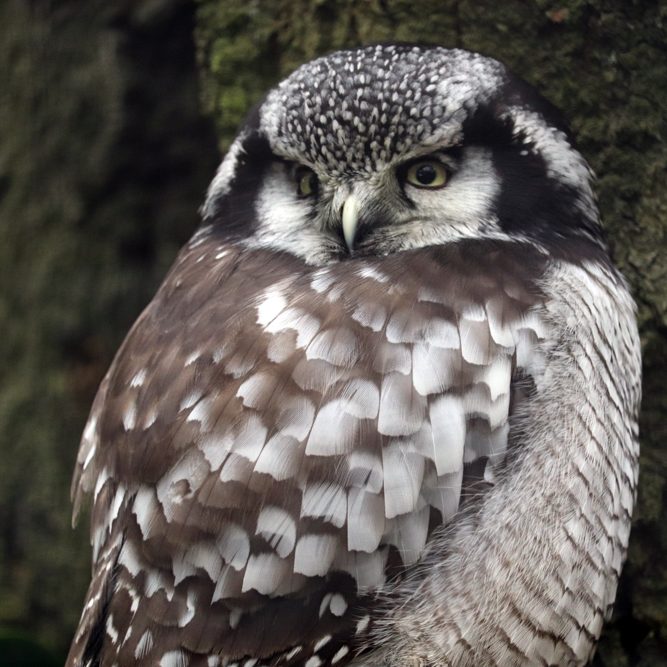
306 182
429 173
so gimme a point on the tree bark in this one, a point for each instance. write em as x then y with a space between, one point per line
604 63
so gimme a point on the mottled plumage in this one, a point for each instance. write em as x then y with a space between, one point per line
367 419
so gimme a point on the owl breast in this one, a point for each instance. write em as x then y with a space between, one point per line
323 423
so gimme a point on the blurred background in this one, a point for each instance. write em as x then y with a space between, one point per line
113 117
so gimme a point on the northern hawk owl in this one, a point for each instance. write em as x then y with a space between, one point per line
383 409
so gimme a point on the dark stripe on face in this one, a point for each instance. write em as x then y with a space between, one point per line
235 216
531 201
536 204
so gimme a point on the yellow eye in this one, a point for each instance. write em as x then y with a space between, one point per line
306 182
427 174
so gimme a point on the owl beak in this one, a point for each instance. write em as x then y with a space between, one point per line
350 220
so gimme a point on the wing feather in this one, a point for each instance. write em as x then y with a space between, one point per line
275 437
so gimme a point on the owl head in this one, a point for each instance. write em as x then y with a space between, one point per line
387 148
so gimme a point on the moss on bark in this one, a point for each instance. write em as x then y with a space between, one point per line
604 63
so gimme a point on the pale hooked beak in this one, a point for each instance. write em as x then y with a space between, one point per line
350 220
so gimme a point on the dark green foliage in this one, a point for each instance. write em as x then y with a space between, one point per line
104 159
17 650
604 63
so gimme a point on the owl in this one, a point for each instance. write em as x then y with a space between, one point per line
383 409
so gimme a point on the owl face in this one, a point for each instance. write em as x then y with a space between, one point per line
388 148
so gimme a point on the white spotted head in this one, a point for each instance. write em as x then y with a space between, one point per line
387 148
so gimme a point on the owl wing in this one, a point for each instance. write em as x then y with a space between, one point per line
275 442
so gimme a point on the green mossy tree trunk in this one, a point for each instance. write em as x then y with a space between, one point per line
605 65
